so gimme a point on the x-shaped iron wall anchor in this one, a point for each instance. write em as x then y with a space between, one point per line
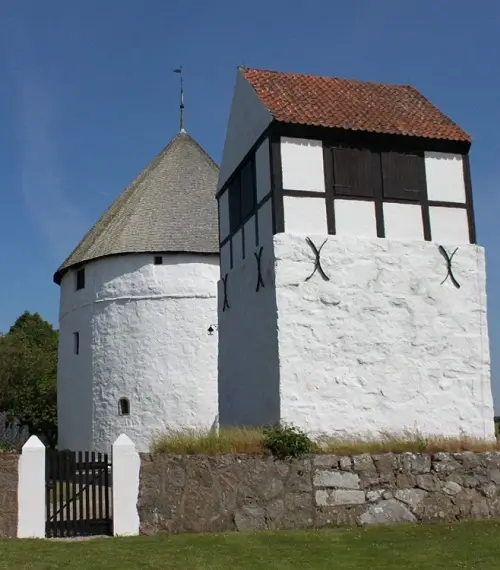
317 262
225 304
448 258
258 257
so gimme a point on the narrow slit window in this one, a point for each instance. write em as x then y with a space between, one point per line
76 342
158 260
80 279
123 407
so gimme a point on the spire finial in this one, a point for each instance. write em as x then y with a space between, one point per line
182 129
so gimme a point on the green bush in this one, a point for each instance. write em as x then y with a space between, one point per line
287 442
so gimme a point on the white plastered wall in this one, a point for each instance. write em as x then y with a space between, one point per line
144 337
382 345
74 372
248 350
248 119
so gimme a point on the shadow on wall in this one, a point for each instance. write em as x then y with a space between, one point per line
215 425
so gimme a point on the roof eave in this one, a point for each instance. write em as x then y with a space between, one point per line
465 142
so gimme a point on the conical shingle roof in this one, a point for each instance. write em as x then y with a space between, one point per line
169 207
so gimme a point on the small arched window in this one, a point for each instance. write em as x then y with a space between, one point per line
123 407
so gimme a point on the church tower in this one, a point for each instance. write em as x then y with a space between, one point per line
138 295
352 294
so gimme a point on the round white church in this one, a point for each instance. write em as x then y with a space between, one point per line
138 297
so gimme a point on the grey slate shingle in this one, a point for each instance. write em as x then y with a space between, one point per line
169 207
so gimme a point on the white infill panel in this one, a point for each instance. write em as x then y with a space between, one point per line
225 258
302 164
249 236
355 218
224 215
237 241
305 215
265 222
403 221
263 170
449 225
445 177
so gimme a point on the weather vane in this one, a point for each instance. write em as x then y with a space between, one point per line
179 71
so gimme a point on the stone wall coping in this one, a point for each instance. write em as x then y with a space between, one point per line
434 455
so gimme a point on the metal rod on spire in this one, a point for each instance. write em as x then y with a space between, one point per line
179 71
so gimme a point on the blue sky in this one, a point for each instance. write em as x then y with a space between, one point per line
88 98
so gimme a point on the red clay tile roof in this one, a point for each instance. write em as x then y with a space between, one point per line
352 105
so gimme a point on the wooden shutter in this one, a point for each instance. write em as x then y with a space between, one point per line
403 175
356 172
234 205
248 190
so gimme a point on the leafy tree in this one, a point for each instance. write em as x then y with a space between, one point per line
28 375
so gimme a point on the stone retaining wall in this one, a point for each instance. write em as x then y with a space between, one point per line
9 463
208 494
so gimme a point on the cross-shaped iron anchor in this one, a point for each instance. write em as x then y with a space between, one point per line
317 262
258 257
448 258
225 304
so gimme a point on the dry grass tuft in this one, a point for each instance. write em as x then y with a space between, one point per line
225 441
251 441
412 442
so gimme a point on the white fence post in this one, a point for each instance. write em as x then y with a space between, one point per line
31 490
126 467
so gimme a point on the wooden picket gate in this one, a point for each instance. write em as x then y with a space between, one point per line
78 494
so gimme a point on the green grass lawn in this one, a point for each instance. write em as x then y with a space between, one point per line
472 545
